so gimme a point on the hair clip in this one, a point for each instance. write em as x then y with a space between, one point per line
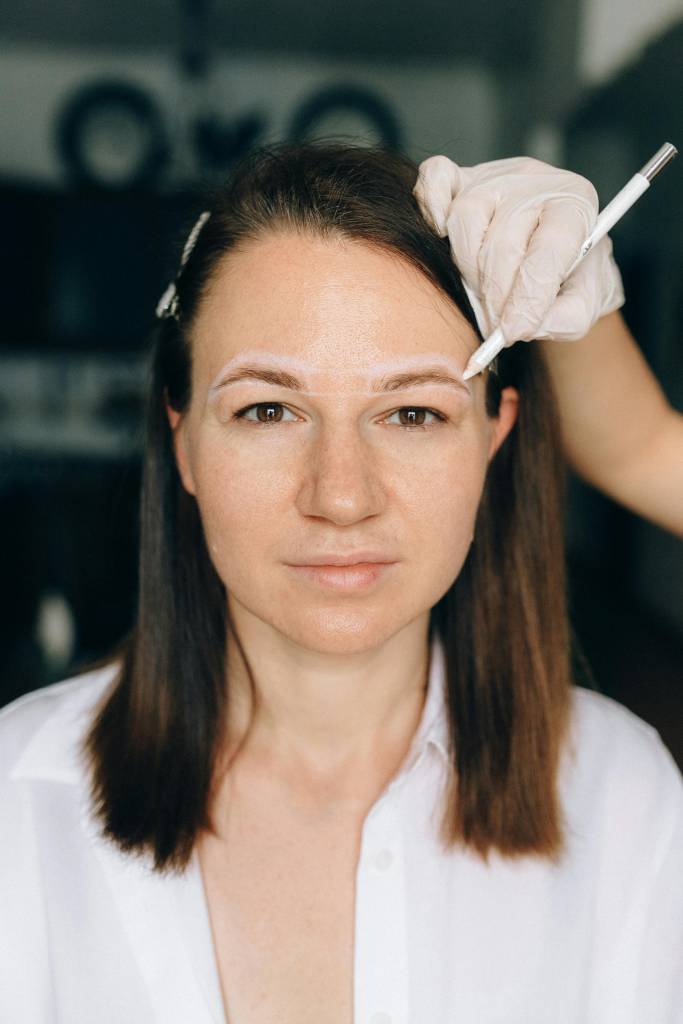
167 305
193 236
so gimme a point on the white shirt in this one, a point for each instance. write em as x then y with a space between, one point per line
89 935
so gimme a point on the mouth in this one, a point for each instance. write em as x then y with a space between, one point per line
362 556
353 577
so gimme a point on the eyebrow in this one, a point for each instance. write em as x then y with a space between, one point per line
394 382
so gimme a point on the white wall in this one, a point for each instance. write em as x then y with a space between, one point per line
611 32
444 108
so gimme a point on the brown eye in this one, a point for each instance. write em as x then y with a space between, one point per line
272 413
266 412
414 416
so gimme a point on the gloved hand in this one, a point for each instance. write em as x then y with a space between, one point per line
515 227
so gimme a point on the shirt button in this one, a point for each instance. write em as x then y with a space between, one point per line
380 1018
382 861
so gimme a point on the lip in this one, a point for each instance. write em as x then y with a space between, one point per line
357 576
353 558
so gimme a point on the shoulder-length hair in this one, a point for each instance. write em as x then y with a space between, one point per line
155 744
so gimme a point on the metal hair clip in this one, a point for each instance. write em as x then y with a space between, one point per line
167 305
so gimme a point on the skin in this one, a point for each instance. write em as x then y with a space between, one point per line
620 432
340 677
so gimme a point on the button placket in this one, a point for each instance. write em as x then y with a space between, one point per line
381 979
383 859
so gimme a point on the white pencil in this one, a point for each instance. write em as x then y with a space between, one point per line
608 217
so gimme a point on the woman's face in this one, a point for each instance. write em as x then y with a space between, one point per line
344 461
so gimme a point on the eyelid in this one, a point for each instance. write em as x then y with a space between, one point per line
461 393
458 397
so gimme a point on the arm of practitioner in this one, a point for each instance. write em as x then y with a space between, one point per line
619 431
515 227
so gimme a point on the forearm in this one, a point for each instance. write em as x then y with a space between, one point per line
619 431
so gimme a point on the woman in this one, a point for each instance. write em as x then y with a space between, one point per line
308 792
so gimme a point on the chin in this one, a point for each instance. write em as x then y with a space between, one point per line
342 630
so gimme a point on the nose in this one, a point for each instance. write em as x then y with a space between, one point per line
341 479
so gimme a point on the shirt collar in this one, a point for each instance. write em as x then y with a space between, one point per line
433 726
53 751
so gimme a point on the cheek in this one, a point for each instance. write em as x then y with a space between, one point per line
440 500
242 501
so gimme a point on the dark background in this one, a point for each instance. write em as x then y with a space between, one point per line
113 115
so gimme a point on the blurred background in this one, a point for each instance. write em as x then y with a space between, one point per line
112 117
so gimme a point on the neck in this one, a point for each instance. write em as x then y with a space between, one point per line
322 720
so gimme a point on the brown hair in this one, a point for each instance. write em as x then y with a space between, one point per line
156 741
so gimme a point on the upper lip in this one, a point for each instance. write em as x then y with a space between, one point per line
354 558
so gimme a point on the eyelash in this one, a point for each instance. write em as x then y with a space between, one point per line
241 415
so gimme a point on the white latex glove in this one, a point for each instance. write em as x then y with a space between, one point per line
515 227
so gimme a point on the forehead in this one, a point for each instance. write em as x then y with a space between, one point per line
334 305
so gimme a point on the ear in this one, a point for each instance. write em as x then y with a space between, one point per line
502 424
178 424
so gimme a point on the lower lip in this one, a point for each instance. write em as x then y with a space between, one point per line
344 577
